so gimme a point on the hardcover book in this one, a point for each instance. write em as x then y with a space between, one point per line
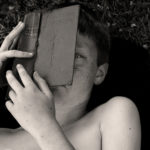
51 36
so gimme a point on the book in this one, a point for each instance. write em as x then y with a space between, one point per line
51 36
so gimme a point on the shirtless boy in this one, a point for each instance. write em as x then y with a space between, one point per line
56 119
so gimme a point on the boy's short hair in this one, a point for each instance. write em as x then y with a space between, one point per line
89 25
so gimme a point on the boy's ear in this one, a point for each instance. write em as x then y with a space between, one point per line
101 73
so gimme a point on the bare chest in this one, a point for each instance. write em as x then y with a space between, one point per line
84 135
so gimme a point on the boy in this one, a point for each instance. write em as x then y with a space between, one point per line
55 118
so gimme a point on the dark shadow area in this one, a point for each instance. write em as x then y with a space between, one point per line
128 75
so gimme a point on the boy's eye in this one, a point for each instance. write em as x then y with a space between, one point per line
78 56
79 60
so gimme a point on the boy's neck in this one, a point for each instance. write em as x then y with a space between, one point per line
68 115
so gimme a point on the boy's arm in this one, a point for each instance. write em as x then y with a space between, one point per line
17 139
48 138
33 107
121 125
52 137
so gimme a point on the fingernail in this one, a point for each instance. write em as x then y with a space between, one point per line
8 72
19 65
31 54
36 73
19 23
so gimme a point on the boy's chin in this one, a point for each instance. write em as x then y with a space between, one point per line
60 90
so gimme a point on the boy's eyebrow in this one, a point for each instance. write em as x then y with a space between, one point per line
81 50
78 44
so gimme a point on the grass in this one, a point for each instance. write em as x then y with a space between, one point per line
128 19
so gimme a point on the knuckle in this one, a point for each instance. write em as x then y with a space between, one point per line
11 80
11 94
32 88
24 53
23 73
13 52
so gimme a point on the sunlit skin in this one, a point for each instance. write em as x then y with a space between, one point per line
55 118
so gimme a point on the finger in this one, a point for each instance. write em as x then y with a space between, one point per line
15 53
10 37
24 76
14 42
9 105
42 84
13 82
12 95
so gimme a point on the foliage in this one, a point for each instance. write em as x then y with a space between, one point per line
129 19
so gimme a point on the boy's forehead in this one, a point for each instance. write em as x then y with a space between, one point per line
81 40
84 42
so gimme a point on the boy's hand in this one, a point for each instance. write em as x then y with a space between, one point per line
9 43
31 105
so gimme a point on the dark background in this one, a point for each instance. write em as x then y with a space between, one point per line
129 71
128 19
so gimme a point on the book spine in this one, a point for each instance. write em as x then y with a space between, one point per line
28 42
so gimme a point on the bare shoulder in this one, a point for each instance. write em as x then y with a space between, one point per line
119 122
115 109
117 106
